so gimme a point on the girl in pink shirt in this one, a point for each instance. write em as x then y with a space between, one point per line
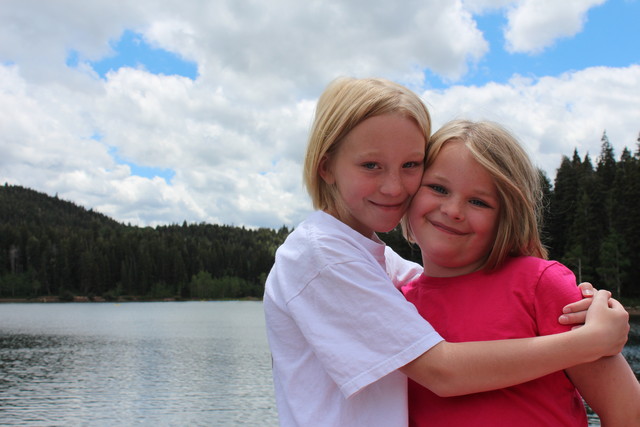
486 277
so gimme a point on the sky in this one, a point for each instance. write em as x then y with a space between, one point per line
159 112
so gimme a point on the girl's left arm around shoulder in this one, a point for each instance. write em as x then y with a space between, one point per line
611 389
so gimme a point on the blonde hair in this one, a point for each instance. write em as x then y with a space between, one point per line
345 103
517 181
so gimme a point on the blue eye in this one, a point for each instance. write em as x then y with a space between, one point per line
438 188
370 165
479 203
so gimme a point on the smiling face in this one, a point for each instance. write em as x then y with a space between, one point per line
454 215
376 170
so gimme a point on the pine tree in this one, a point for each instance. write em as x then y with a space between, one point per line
613 263
626 216
563 203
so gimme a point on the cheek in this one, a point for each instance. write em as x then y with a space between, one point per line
420 206
416 204
413 184
491 230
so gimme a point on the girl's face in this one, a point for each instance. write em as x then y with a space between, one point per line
454 215
377 169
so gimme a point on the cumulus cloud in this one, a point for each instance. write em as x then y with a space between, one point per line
233 138
534 25
552 116
483 6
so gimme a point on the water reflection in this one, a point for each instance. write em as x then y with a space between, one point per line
165 363
632 349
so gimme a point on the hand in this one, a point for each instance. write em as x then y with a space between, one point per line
608 321
576 313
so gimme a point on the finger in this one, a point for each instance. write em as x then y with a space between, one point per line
587 289
601 298
580 305
573 318
615 304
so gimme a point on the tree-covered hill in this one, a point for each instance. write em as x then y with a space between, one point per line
19 205
54 247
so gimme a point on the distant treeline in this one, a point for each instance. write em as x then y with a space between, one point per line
54 247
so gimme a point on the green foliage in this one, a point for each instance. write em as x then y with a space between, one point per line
613 263
593 220
204 286
53 247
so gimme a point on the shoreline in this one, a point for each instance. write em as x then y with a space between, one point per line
633 311
82 299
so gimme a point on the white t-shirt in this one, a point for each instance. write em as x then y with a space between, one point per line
339 329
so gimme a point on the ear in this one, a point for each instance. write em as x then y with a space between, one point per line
324 170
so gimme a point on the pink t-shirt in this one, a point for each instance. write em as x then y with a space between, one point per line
522 299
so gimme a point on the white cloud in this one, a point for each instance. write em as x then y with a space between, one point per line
534 25
552 116
483 6
235 136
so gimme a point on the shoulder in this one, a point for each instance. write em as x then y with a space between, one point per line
399 269
538 277
319 249
550 280
325 240
537 267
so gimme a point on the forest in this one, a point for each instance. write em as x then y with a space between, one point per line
52 247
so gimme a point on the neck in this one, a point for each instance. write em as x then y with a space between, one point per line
432 269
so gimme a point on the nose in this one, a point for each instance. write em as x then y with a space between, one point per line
392 184
453 208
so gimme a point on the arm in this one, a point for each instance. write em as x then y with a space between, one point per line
450 369
610 388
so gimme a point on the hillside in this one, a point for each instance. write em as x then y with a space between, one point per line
54 247
23 206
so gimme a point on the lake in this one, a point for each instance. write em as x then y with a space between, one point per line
169 363
175 363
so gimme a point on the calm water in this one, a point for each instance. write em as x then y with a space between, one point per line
182 363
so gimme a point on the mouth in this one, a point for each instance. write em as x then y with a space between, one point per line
390 206
446 229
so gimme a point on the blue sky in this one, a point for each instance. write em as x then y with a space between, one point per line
610 37
131 50
160 113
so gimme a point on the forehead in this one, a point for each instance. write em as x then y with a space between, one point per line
384 132
456 162
451 151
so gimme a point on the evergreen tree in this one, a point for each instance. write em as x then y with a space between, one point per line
563 204
582 245
602 196
626 216
613 263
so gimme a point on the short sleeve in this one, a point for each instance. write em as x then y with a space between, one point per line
359 325
401 270
556 288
